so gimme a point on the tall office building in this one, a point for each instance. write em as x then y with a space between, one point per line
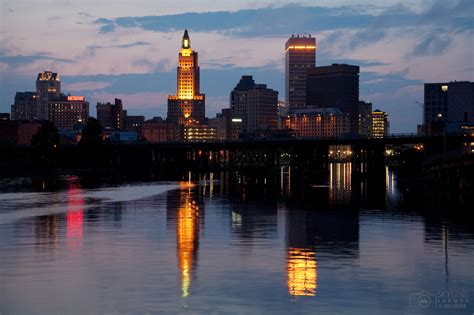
365 119
300 55
335 86
379 124
48 88
24 107
67 111
448 106
111 116
188 105
254 105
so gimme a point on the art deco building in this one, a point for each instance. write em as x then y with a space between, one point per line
188 105
300 55
48 88
379 124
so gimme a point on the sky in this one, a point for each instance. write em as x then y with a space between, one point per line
105 49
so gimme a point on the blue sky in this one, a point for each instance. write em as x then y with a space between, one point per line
107 49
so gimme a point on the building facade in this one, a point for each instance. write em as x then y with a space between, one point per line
111 116
318 123
160 131
300 55
222 123
133 122
447 104
335 86
379 124
197 133
67 111
365 119
188 105
25 106
48 88
254 105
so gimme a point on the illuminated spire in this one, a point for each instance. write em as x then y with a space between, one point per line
186 43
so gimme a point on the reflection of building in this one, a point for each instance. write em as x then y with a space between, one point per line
188 104
448 103
254 105
335 86
300 55
320 122
111 116
301 271
187 214
379 124
336 233
74 215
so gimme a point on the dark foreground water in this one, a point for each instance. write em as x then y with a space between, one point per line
76 246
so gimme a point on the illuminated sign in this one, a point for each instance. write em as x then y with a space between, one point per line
75 98
237 120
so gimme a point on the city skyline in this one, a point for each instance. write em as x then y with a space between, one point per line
132 60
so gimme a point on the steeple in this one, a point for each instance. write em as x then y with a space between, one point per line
186 43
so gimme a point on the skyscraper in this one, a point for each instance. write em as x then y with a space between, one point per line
365 119
300 55
254 105
448 105
48 88
335 86
24 107
188 105
67 111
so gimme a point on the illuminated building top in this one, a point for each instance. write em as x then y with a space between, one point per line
188 72
48 76
187 107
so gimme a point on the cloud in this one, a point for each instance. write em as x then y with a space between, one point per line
16 60
434 43
85 86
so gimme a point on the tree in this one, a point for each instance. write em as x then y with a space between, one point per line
92 132
47 136
45 142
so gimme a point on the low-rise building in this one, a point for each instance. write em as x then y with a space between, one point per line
379 124
157 130
318 123
198 133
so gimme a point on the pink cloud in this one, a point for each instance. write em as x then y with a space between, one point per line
86 86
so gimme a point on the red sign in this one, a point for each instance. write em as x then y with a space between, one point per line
75 98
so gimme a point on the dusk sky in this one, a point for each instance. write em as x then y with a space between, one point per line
106 49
